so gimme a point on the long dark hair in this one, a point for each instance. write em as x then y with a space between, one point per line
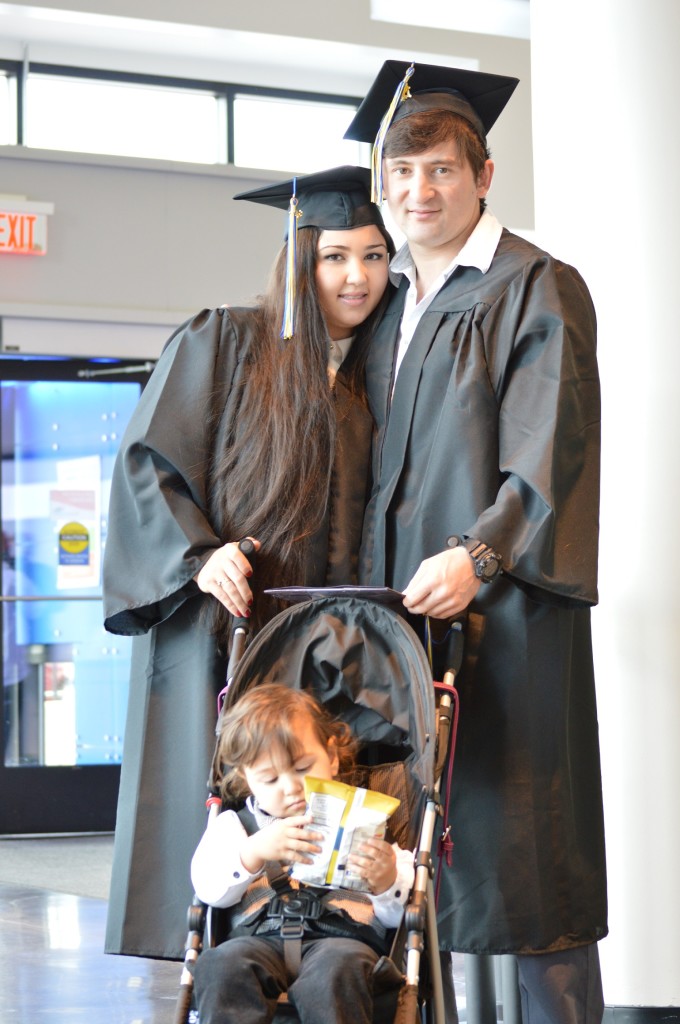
272 480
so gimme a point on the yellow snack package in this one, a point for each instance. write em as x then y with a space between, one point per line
346 816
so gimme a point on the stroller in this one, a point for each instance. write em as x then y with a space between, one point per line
362 660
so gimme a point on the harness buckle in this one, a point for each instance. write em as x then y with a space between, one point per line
292 910
295 908
292 929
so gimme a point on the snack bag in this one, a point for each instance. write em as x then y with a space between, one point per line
346 816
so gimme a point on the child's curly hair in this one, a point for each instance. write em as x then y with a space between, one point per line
268 716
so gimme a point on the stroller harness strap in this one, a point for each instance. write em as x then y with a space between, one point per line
277 905
281 906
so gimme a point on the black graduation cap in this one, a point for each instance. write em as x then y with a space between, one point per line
475 95
334 200
337 199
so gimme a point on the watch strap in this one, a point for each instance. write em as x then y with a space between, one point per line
487 562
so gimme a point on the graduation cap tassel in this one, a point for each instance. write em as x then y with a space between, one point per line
402 93
288 325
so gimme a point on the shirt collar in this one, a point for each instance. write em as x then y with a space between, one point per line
262 817
337 353
478 251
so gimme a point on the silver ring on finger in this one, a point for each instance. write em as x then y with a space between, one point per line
221 583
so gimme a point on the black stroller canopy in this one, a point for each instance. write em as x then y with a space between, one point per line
363 662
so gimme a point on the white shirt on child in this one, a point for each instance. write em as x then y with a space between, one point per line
220 879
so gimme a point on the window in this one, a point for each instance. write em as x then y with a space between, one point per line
287 134
8 108
81 110
124 118
64 680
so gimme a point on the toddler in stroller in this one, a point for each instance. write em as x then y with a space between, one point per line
363 663
271 738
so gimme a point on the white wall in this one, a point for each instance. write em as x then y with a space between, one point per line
608 146
147 245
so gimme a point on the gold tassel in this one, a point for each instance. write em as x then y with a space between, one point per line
288 326
402 93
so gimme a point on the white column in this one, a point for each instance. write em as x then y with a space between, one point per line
605 94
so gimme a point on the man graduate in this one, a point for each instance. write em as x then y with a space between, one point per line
484 386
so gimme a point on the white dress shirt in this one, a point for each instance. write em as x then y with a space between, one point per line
221 880
478 251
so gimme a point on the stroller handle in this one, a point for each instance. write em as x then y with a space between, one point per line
241 625
247 548
454 652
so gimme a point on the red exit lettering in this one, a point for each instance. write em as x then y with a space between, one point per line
17 233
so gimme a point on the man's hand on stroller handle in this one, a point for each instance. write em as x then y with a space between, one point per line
376 863
286 839
225 576
443 585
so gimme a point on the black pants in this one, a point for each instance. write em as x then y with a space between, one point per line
561 988
239 981
554 988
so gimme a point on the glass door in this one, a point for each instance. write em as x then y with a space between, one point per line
64 678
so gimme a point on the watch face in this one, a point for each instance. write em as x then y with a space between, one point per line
487 563
488 567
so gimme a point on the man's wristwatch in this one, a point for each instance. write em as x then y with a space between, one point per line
486 561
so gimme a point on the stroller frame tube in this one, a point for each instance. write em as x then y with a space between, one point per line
421 920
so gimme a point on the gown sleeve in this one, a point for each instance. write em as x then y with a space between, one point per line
541 348
159 534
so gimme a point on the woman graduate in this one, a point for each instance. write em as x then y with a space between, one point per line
246 428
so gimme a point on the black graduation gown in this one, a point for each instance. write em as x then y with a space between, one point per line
159 536
493 432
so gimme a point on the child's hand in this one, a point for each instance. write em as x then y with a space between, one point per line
376 862
286 839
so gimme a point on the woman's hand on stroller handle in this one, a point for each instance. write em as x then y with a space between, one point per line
286 839
225 575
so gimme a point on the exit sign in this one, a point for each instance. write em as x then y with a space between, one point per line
23 226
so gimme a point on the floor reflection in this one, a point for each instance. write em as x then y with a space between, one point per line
52 968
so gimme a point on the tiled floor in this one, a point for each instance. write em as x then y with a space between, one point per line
53 970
